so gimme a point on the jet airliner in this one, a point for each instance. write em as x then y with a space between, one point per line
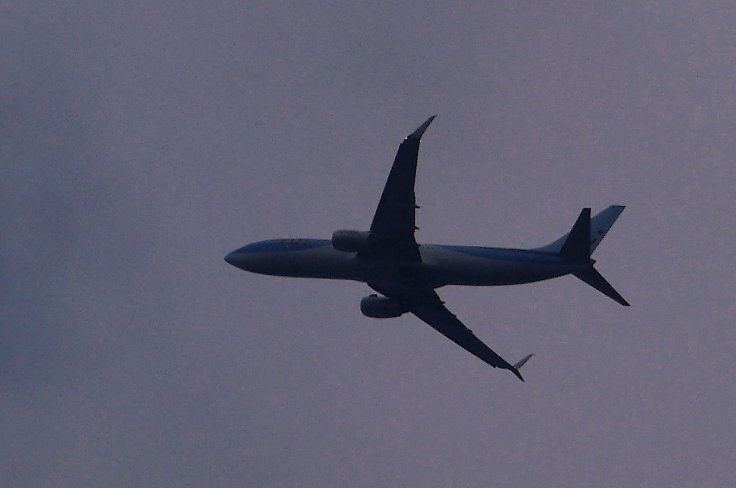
405 274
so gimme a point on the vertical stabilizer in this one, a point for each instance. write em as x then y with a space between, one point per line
580 242
599 226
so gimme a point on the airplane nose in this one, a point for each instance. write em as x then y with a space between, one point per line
232 259
240 259
245 259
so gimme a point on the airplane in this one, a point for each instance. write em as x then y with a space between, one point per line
405 274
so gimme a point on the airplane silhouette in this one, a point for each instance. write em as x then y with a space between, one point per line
405 274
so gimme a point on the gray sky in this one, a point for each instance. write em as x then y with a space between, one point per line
141 141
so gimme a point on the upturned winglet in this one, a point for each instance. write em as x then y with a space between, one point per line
517 366
417 134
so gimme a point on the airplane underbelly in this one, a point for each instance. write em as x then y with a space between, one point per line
459 268
500 273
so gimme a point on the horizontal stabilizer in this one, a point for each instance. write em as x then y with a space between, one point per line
577 244
592 277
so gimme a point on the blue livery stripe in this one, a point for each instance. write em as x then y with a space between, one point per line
519 255
277 245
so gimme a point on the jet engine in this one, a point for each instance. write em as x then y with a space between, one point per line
378 307
350 240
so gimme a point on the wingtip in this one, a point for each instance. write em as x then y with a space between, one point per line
621 300
517 373
420 130
523 361
517 366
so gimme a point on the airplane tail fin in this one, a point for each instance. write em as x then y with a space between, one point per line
580 242
599 226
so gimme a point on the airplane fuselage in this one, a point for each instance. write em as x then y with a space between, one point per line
440 264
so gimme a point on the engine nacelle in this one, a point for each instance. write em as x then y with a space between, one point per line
378 307
350 240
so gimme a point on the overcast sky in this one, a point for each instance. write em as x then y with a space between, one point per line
141 141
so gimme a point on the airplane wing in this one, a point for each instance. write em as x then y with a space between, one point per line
427 305
393 224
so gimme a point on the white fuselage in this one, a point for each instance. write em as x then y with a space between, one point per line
441 265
